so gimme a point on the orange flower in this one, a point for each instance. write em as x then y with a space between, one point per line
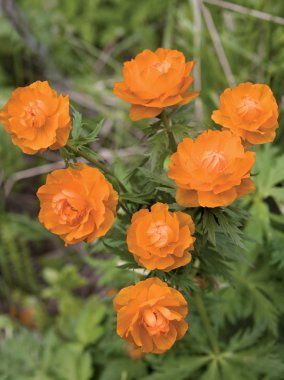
211 171
150 315
249 111
78 204
155 80
37 118
25 314
161 239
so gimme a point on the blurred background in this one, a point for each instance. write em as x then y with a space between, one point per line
56 301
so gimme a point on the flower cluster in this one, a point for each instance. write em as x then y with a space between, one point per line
79 203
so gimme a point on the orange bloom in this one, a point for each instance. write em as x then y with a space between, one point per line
249 111
155 80
150 315
37 118
25 314
161 239
211 171
78 204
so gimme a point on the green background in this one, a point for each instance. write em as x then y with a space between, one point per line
56 317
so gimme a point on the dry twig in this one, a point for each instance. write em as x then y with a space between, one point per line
28 173
218 46
246 11
197 26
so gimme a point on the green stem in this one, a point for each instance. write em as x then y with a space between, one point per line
89 157
122 205
166 122
206 322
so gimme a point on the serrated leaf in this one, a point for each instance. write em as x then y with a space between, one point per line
140 198
160 179
212 372
124 369
223 220
95 132
76 125
178 368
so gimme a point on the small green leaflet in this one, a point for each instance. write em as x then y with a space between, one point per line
93 135
76 125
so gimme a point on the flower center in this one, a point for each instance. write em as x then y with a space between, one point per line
154 322
35 114
249 109
213 161
158 234
163 67
69 209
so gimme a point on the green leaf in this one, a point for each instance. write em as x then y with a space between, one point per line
122 368
178 368
69 362
68 278
270 169
19 355
88 329
160 179
212 372
26 227
140 198
76 125
222 220
96 131
109 274
278 194
81 142
159 145
275 246
258 296
258 225
246 347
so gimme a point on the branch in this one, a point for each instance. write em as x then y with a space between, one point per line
197 24
28 173
218 46
246 11
42 57
17 19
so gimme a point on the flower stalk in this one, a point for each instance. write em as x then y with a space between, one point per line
167 124
206 323
90 157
